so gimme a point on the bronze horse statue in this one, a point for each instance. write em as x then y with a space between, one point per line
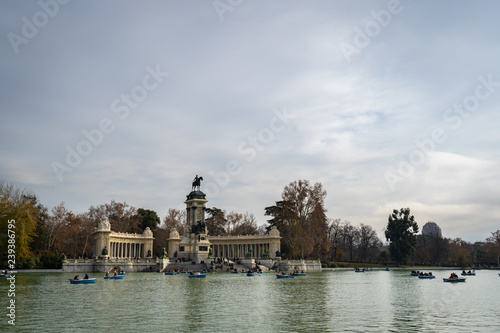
197 182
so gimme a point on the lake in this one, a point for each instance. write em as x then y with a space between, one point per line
330 301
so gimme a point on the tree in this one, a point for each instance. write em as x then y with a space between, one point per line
401 233
335 238
350 236
148 218
19 206
301 219
247 225
175 219
216 223
369 244
494 245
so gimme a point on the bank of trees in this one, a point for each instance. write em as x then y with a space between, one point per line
44 235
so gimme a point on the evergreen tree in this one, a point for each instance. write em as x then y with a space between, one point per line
401 232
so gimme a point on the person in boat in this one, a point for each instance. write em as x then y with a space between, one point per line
115 274
77 277
6 272
463 272
86 277
430 273
469 272
107 274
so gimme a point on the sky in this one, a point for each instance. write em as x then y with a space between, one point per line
387 104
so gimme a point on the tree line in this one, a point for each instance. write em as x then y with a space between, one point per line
44 236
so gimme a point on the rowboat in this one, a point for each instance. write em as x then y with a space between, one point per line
235 272
197 276
261 272
471 274
454 280
83 281
186 272
280 276
122 273
414 274
170 273
250 274
116 277
4 275
299 274
387 269
426 277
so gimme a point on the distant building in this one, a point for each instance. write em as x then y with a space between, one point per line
431 229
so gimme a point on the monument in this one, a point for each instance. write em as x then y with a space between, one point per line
194 244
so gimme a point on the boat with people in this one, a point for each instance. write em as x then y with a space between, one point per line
357 270
422 275
115 277
82 281
284 276
5 275
197 275
469 273
250 274
170 273
453 278
297 273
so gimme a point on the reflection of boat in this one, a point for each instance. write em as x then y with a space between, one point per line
426 276
84 281
196 275
280 276
4 275
170 273
454 280
116 277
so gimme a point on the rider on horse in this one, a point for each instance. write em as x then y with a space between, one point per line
197 182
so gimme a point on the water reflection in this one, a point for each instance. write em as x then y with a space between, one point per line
320 302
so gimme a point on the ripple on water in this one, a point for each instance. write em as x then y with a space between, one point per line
320 302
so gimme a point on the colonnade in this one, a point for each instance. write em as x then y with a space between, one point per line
126 250
240 250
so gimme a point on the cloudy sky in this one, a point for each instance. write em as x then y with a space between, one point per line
388 104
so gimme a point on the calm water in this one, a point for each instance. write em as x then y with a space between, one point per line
341 301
